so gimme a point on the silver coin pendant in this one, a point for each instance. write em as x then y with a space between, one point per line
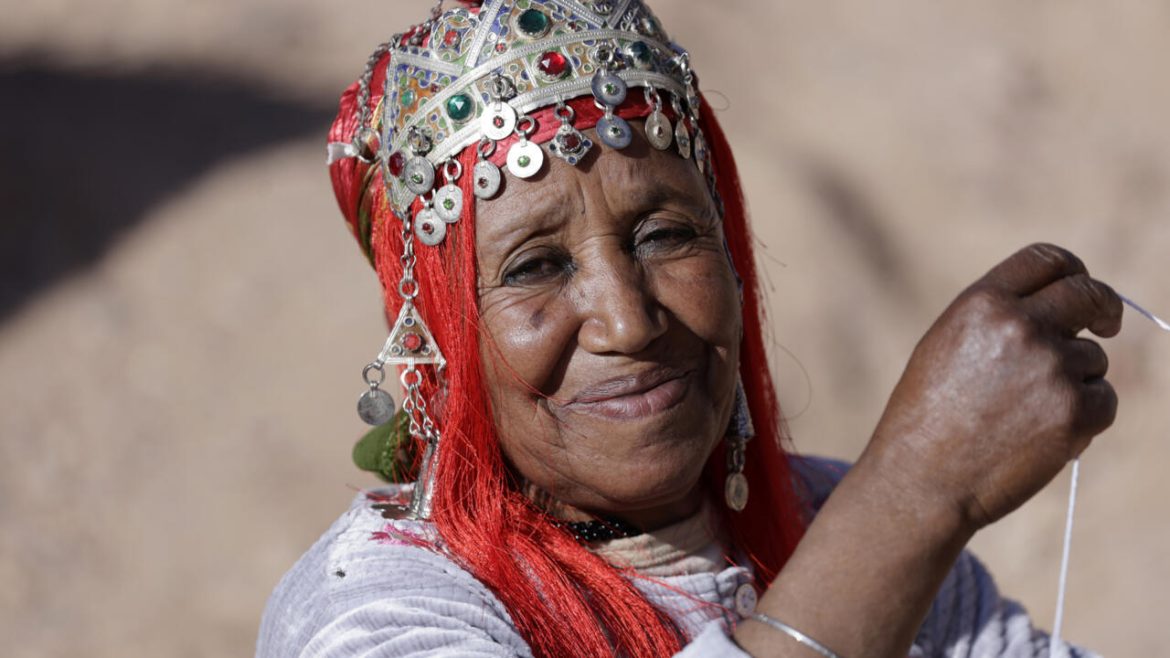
701 154
658 130
609 88
682 137
449 203
735 491
498 122
614 132
746 599
429 229
375 407
419 175
525 159
487 179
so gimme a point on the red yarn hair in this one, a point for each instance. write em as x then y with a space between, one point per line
563 599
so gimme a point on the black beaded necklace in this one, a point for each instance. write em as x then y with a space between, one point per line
601 529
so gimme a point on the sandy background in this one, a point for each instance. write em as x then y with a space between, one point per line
183 316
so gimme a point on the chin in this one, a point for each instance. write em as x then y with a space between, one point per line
649 488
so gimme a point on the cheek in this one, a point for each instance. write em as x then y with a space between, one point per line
703 295
522 340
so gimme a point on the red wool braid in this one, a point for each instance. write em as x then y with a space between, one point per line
563 599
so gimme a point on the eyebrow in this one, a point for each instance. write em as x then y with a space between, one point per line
542 214
667 192
661 194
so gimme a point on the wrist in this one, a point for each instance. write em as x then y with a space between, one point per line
875 555
918 501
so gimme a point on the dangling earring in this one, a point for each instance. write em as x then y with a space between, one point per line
411 343
739 432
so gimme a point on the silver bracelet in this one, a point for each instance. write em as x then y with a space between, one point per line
795 634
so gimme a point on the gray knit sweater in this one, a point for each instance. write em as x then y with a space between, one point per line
362 590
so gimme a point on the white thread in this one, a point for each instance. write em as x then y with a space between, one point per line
1054 642
1162 324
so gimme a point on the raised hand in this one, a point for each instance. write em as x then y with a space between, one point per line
1001 392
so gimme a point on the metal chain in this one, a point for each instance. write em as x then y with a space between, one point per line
408 258
693 101
652 97
415 405
410 403
367 78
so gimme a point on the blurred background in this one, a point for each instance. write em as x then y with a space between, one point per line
183 315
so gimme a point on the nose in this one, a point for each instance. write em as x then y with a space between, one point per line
619 311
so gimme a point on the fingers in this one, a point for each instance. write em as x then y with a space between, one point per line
1034 267
1058 290
1085 360
1096 410
1077 302
1094 399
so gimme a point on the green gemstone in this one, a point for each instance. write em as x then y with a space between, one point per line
532 22
523 160
459 107
610 89
640 51
407 98
449 203
417 179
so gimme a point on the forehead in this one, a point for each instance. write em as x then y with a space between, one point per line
607 183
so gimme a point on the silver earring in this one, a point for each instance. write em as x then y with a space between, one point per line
410 345
739 432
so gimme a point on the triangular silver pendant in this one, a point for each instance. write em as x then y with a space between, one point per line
410 341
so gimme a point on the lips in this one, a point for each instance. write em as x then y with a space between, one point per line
633 396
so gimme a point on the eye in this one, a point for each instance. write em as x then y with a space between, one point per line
537 269
663 236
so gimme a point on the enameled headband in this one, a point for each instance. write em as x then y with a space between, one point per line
469 77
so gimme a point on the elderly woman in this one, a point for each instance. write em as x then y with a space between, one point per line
588 459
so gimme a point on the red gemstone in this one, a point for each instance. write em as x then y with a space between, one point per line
451 38
570 142
498 122
552 64
412 342
397 164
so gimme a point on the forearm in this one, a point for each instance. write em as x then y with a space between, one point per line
863 578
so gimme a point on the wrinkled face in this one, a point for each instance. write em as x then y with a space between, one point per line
611 330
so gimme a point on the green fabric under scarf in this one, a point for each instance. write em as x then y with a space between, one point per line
388 451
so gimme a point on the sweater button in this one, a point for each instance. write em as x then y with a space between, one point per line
745 600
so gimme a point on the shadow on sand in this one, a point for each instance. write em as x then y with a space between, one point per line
84 156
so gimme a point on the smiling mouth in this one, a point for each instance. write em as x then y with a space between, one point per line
633 396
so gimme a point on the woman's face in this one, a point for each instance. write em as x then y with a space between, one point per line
611 330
